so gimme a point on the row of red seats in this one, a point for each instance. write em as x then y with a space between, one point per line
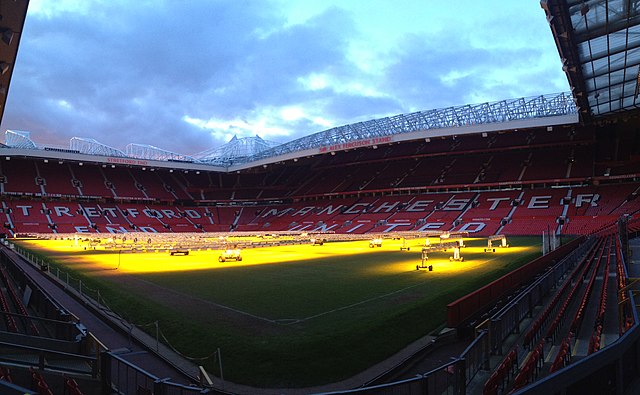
5 374
26 216
553 328
531 367
563 358
634 225
500 378
17 301
620 272
71 386
10 321
372 170
533 334
595 339
40 385
627 320
577 318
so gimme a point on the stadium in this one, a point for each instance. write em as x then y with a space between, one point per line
479 249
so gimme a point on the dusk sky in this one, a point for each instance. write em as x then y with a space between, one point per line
187 76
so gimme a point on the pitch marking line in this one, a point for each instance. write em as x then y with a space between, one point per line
292 321
209 302
286 321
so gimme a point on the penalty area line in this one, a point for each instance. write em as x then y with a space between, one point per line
210 302
295 321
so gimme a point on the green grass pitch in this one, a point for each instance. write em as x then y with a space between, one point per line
291 316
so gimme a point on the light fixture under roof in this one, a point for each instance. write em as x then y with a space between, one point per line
7 36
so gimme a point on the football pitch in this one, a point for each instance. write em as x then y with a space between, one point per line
288 315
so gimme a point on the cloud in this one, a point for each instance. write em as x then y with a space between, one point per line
426 74
188 75
133 77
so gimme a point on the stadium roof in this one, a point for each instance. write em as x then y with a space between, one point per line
599 44
537 111
236 149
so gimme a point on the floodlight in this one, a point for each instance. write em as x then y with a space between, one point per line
7 36
4 67
584 9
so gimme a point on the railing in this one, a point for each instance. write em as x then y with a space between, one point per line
507 320
65 278
468 306
63 332
22 355
453 377
116 373
7 388
123 377
476 355
445 380
610 369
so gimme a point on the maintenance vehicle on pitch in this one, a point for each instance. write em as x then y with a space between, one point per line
230 254
377 242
